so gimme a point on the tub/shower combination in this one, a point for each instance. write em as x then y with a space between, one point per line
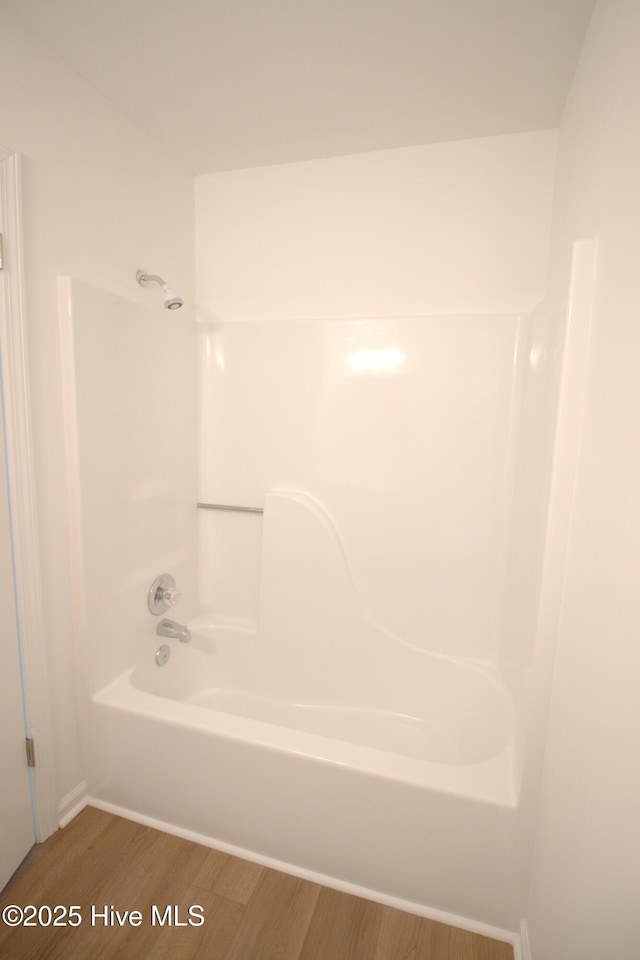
323 743
402 807
337 732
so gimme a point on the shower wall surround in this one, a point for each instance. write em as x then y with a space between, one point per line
130 402
414 402
404 430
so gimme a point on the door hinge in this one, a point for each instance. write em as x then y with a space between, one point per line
31 752
1 253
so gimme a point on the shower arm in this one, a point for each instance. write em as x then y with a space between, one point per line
143 277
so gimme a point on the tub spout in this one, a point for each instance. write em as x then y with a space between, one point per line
169 628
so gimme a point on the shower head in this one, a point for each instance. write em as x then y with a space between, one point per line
172 300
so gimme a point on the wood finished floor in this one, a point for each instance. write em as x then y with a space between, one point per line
251 912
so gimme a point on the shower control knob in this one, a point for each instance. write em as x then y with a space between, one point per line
162 594
171 596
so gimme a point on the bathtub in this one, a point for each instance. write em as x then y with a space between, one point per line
404 791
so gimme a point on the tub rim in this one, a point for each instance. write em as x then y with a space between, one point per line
489 781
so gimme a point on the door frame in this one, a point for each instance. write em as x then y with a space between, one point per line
22 497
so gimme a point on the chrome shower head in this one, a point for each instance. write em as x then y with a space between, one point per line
172 300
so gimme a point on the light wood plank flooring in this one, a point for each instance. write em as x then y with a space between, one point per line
250 912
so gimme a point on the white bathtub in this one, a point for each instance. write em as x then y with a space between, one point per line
404 790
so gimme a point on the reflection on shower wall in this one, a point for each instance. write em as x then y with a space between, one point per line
405 430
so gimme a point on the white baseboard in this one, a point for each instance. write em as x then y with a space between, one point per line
525 945
71 805
441 916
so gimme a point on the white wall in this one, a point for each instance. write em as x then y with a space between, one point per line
457 227
100 201
586 874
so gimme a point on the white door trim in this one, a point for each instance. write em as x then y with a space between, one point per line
23 514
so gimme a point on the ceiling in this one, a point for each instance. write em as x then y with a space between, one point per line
226 84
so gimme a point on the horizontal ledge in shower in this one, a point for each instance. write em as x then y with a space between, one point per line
229 506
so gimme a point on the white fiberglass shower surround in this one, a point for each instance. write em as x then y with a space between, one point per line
352 701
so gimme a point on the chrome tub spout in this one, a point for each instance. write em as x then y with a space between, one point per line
176 631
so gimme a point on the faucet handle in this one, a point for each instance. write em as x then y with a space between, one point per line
162 594
171 596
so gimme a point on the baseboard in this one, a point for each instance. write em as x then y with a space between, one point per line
525 945
71 805
441 916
